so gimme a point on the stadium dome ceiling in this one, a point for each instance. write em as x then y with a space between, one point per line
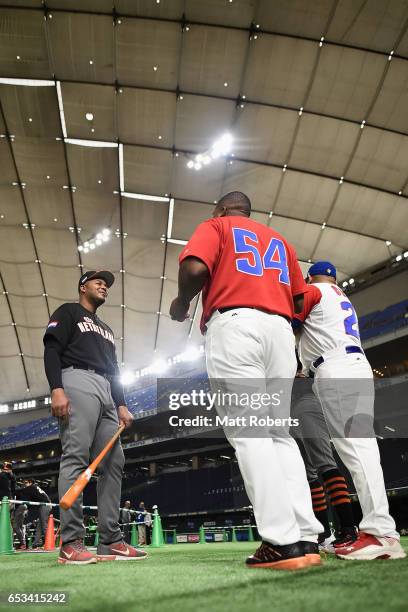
315 95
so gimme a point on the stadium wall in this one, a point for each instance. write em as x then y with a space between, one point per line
385 293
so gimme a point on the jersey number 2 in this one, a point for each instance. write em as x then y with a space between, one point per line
274 257
351 320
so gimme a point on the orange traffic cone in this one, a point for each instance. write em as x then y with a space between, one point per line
50 534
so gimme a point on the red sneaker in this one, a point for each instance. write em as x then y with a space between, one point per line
75 553
119 551
368 547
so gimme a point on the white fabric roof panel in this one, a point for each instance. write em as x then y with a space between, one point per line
146 117
238 13
88 165
146 8
187 216
370 24
76 40
264 134
365 210
147 171
390 109
278 70
380 160
99 100
39 158
306 197
346 80
11 207
296 17
323 145
353 253
212 61
302 236
200 121
259 182
143 45
20 104
23 45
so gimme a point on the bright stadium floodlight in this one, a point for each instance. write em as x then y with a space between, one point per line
222 146
102 144
190 354
127 378
159 366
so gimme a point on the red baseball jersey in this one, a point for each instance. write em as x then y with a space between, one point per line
250 264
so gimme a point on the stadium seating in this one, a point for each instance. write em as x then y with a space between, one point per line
385 321
146 396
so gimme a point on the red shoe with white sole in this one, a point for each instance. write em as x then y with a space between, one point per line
75 553
119 551
368 547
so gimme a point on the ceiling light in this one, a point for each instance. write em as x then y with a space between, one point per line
121 169
99 182
127 378
106 231
48 177
91 62
18 57
86 250
225 84
388 243
351 281
345 284
80 248
92 246
406 254
197 166
190 164
89 116
159 366
160 137
155 68
222 146
30 119
400 193
206 159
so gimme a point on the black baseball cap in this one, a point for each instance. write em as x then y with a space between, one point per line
105 275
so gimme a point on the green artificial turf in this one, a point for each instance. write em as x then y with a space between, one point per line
210 577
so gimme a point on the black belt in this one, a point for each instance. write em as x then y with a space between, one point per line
227 308
348 349
108 377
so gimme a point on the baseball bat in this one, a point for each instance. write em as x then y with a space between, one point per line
79 485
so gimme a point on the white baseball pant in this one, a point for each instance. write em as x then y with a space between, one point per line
359 454
250 344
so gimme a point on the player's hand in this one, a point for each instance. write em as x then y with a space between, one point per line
126 418
60 406
179 310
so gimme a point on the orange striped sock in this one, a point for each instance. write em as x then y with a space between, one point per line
320 505
338 494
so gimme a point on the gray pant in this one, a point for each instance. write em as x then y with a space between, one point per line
92 422
313 436
42 523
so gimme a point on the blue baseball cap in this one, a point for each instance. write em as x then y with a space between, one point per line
322 268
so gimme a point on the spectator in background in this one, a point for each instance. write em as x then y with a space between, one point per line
7 481
141 526
20 515
125 520
32 492
148 524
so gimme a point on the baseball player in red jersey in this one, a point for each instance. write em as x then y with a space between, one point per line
330 345
250 280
